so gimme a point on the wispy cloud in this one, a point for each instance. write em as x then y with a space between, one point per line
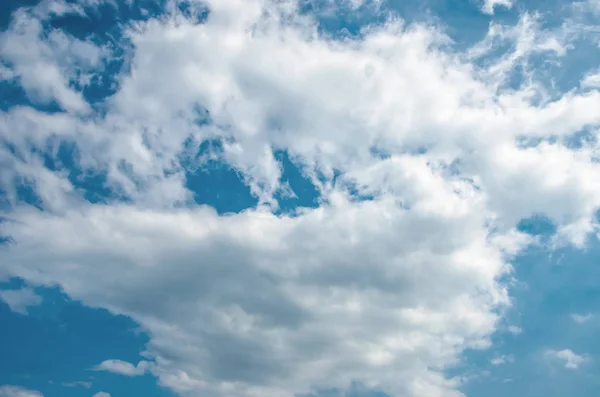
582 318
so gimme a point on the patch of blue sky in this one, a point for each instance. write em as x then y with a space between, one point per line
302 193
219 185
553 286
53 348
462 20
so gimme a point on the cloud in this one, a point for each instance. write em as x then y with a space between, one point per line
581 318
17 391
84 384
310 318
513 329
489 5
20 299
424 159
503 359
48 68
591 80
571 360
122 367
102 394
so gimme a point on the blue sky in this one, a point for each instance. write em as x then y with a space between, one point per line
299 198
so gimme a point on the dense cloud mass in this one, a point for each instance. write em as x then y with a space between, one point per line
425 157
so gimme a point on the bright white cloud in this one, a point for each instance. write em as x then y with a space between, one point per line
570 359
388 292
102 394
20 299
17 391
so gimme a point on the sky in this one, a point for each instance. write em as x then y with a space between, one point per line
299 198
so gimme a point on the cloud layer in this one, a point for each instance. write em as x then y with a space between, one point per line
425 157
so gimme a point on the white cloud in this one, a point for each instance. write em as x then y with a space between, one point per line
489 5
46 68
17 391
591 80
20 299
390 291
122 367
318 311
581 318
570 359
503 359
102 394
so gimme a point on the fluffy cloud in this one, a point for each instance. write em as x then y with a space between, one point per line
387 290
20 299
102 394
47 68
570 359
17 391
281 303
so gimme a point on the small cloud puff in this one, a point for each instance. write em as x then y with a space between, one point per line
571 360
101 394
503 359
123 367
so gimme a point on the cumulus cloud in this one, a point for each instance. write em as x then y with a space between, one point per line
20 299
570 359
17 391
424 159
